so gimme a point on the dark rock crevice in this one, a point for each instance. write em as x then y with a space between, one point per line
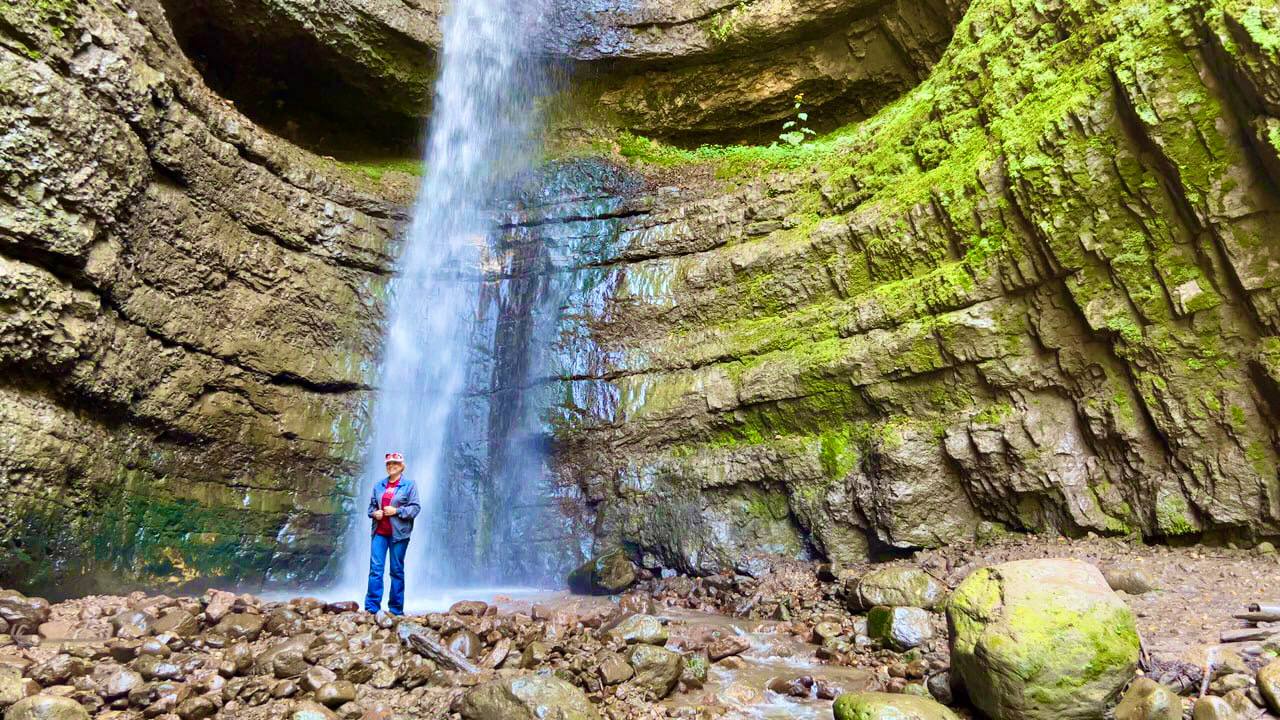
282 76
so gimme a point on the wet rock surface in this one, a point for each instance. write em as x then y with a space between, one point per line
190 293
724 651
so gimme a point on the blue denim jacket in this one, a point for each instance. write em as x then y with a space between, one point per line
406 503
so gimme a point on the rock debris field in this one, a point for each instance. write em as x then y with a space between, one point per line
1017 630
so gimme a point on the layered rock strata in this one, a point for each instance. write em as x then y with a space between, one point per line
709 69
190 315
1036 293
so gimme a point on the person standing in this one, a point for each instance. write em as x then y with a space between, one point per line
392 506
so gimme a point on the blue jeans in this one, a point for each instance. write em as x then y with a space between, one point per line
382 546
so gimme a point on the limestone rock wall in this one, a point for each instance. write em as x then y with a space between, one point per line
1036 293
189 315
1031 285
722 69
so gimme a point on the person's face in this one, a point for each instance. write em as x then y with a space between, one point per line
395 468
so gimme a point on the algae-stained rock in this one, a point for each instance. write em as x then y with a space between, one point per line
694 674
46 707
1147 699
901 628
527 697
12 687
898 587
1041 640
657 669
887 706
1269 685
607 574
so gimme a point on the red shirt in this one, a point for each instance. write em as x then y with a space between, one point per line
384 525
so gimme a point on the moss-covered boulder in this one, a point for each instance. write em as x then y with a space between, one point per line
1269 684
1041 640
605 575
886 706
657 669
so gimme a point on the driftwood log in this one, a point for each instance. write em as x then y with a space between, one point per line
1258 612
1247 634
429 645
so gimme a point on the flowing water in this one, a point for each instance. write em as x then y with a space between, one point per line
483 124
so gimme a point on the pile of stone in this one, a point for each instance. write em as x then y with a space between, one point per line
241 656
1023 640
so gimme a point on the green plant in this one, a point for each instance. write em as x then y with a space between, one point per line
793 133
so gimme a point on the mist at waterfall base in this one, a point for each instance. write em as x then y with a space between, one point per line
481 135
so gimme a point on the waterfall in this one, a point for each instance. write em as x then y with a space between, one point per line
481 134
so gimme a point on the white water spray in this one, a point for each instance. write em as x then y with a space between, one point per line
481 133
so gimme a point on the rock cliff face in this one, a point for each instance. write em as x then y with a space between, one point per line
671 68
1024 279
189 313
1038 292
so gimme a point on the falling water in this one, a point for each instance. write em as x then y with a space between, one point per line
481 134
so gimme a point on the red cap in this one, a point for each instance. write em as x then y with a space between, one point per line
395 457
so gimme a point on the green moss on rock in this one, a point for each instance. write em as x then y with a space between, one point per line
887 706
1041 639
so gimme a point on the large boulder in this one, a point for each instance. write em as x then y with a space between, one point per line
657 669
897 587
886 706
605 575
1041 640
527 697
46 707
1269 684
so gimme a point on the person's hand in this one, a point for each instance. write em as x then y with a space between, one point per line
377 515
390 510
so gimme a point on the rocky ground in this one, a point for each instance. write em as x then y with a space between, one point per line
774 639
